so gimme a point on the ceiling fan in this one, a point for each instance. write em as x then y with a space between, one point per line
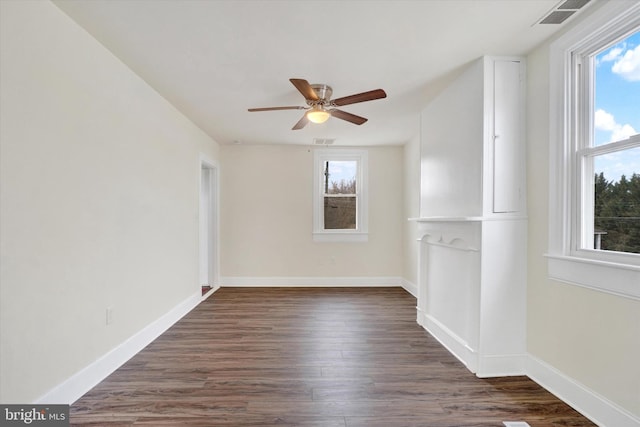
320 106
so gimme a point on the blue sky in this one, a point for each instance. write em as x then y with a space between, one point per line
342 170
617 105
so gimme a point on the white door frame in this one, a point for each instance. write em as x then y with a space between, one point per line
209 227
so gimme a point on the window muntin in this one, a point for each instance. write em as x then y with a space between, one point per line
608 146
340 195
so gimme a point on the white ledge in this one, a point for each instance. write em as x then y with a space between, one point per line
467 218
447 218
609 277
328 236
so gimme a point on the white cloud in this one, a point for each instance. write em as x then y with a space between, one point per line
606 122
628 65
623 132
612 55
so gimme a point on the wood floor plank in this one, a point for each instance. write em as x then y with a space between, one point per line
309 357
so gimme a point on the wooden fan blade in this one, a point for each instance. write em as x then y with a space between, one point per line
339 114
301 123
305 89
275 108
360 97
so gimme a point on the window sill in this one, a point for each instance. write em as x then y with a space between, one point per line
610 277
340 236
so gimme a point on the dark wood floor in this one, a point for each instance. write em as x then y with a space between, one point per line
309 357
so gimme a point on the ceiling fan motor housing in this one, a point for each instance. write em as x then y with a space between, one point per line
324 92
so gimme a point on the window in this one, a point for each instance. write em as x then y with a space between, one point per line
595 157
340 195
608 145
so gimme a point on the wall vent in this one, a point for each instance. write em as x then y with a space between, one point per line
563 11
323 141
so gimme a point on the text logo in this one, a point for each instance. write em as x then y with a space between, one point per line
34 415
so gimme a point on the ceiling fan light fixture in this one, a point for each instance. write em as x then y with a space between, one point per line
318 96
318 114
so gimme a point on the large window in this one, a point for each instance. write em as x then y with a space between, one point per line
340 197
608 144
595 158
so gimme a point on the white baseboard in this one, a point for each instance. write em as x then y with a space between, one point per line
503 365
487 366
210 292
421 318
452 342
77 385
598 409
235 281
410 287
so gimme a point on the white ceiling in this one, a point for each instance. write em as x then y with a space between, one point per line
213 59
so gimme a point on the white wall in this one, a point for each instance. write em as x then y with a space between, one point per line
267 217
452 144
591 337
411 165
99 201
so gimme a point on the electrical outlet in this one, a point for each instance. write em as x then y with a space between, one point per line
109 315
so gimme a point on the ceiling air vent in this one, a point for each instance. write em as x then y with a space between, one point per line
323 141
573 4
563 11
557 16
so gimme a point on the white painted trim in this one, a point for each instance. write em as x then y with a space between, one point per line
452 342
421 317
486 366
84 380
344 236
502 217
410 287
237 281
617 279
502 365
598 409
210 292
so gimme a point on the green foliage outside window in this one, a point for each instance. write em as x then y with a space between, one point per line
617 213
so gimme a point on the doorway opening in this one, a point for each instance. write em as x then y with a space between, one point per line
208 227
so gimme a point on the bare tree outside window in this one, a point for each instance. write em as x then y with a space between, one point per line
340 195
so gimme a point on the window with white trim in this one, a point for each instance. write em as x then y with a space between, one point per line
595 158
608 145
340 195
